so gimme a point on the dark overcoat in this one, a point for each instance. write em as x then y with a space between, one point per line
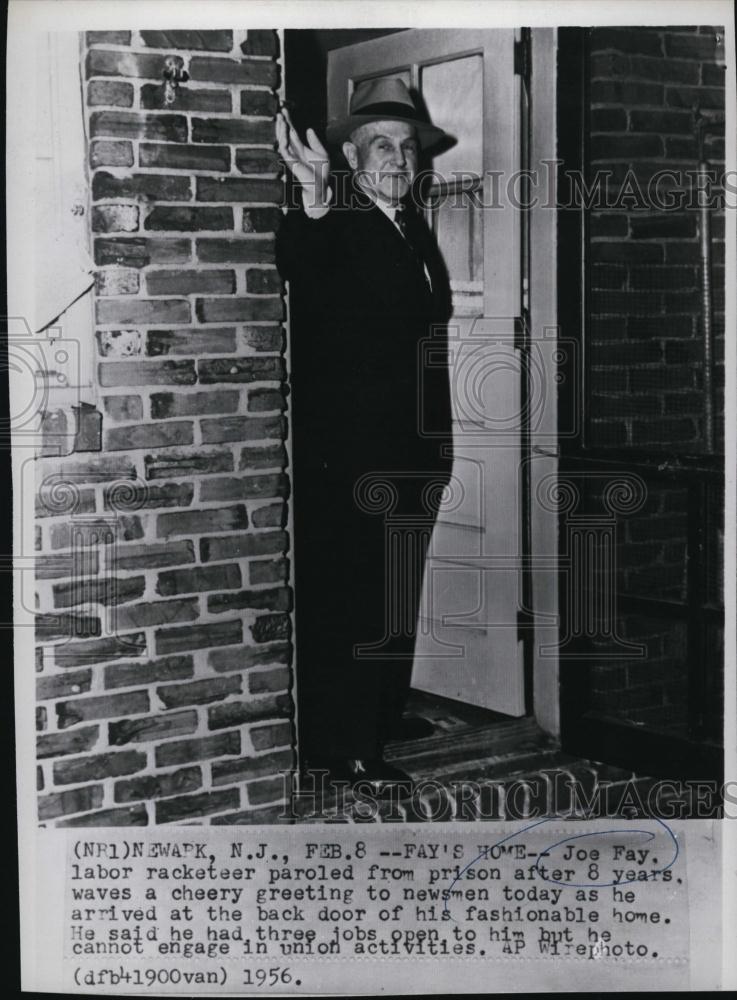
370 405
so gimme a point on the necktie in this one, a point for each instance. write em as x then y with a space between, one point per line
407 224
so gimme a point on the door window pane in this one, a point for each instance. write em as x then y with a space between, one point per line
453 94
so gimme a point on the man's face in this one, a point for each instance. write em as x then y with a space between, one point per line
384 157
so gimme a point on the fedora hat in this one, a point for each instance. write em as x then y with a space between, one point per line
382 100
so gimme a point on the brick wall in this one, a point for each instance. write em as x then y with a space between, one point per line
645 324
163 607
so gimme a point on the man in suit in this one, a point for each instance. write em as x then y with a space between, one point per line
367 287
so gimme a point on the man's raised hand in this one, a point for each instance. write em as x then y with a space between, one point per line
308 161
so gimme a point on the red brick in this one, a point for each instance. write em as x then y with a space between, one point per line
239 713
169 404
112 93
148 435
249 656
263 281
142 251
688 97
203 692
268 570
142 187
126 125
239 309
270 516
122 528
181 218
232 130
103 765
627 251
626 40
55 498
257 72
105 706
63 685
165 465
55 567
242 546
78 654
115 219
612 147
239 189
104 62
185 806
172 282
240 370
160 154
268 681
187 779
98 590
123 408
270 599
112 312
257 817
243 487
264 400
690 46
625 92
171 668
202 521
216 430
184 751
154 727
109 153
144 373
229 772
269 790
117 281
268 339
190 341
661 121
57 744
186 98
235 251
129 816
257 161
155 613
666 70
267 628
175 640
202 578
55 626
681 225
143 495
147 556
258 103
260 42
74 801
211 41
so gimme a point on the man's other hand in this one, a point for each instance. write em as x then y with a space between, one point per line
309 162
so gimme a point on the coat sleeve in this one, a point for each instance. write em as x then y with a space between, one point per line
310 252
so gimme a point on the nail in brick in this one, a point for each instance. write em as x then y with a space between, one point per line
58 744
258 72
198 521
185 806
112 93
239 713
184 157
249 656
76 654
240 370
169 404
270 627
235 251
242 546
187 779
185 99
64 803
202 692
140 252
63 685
270 599
143 187
185 751
171 668
152 728
124 125
104 765
175 640
145 373
164 466
150 556
108 153
231 771
81 709
130 816
182 581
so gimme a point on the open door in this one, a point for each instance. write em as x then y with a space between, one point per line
469 646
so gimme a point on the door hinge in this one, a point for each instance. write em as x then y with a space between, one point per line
522 55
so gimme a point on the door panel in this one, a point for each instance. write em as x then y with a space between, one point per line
468 646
